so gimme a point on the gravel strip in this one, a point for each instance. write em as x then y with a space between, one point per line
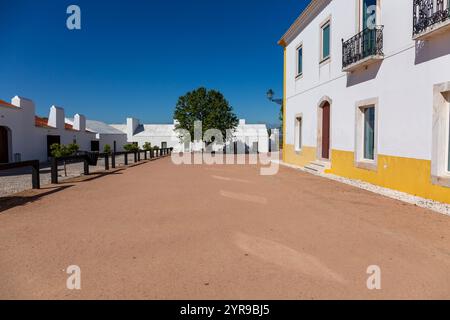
18 180
436 206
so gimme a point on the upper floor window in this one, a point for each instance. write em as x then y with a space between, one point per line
299 61
368 14
326 38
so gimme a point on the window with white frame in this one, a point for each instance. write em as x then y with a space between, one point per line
325 41
299 71
369 133
368 14
298 132
448 133
440 155
366 134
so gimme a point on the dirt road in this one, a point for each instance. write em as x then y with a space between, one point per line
158 231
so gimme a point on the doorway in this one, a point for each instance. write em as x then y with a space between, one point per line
4 145
326 131
52 140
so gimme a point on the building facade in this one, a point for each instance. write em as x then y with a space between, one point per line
247 138
25 136
367 92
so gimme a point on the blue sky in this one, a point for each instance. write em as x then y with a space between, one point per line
136 57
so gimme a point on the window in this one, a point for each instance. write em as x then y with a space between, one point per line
366 133
448 134
299 61
298 133
325 52
440 155
369 133
368 14
163 145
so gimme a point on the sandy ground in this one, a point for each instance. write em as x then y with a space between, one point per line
160 231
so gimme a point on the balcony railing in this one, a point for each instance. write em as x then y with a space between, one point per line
429 13
362 47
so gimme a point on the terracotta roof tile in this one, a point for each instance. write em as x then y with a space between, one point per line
6 104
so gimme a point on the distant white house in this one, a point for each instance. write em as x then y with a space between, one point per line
247 138
161 135
105 135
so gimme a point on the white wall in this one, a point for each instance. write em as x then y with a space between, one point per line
403 81
31 141
120 139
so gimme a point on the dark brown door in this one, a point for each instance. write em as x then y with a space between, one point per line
4 152
326 131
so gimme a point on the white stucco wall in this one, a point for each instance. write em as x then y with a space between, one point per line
156 134
403 82
30 141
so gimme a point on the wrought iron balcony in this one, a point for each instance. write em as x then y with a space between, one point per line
363 49
429 16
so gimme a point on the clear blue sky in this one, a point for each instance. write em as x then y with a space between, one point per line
136 57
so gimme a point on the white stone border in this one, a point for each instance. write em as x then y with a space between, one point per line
436 206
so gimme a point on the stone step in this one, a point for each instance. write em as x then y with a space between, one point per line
310 169
317 167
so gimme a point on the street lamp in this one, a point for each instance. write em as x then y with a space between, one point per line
270 95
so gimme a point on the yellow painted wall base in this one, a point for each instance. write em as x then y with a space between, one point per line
408 175
302 158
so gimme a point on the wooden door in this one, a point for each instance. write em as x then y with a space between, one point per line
326 131
4 150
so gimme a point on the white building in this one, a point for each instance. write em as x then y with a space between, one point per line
367 92
25 136
246 138
105 135
161 135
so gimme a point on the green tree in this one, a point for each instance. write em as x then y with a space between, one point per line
208 106
107 149
58 151
147 146
131 147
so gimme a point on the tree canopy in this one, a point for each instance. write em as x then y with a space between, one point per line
208 106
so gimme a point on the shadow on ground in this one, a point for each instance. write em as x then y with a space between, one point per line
29 196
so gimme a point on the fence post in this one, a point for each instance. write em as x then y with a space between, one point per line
54 170
145 154
135 157
126 158
113 160
36 182
138 156
106 161
86 166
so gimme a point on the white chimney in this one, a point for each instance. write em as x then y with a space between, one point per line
27 105
132 125
56 118
79 122
242 122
